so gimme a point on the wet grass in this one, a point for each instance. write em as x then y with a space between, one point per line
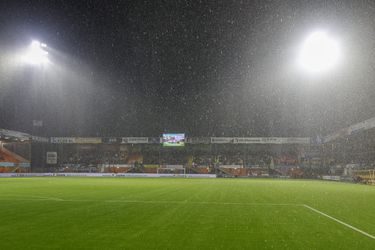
124 213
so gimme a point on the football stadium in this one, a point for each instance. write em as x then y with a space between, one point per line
211 193
187 125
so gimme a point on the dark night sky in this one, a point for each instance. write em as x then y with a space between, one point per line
207 68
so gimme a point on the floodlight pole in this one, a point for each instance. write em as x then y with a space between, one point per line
36 56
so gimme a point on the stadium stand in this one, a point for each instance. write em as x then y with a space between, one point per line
11 162
340 155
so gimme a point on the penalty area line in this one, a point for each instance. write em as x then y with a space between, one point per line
339 221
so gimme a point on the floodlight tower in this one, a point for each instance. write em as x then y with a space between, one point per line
319 53
36 54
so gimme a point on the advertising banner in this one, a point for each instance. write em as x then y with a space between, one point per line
331 177
116 165
271 140
39 139
247 140
134 140
222 139
88 140
199 140
63 140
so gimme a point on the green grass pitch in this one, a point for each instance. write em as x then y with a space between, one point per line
125 213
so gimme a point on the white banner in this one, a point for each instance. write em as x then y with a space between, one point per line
116 165
247 140
88 140
39 139
271 140
331 177
51 157
134 140
62 140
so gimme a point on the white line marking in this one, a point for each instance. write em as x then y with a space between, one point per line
44 198
339 221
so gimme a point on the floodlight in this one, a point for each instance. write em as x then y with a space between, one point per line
36 54
319 53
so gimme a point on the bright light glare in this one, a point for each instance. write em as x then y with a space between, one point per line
319 53
36 54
